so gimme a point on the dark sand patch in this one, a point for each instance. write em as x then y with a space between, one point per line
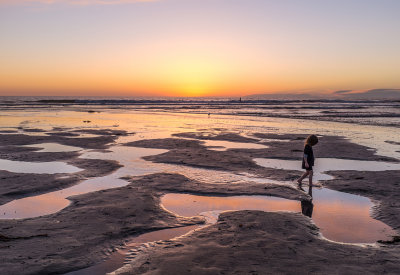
16 149
167 143
103 132
33 130
255 242
78 236
94 167
392 142
382 187
38 156
63 134
8 131
101 142
217 136
17 185
280 136
61 129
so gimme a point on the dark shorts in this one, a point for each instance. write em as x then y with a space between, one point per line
308 169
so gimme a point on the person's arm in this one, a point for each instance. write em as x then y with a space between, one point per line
307 152
305 161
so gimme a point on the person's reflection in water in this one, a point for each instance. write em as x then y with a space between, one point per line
306 205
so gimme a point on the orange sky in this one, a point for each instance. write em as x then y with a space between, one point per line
196 48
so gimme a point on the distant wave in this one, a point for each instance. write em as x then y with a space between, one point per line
370 112
183 101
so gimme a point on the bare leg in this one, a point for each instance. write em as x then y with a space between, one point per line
303 177
311 172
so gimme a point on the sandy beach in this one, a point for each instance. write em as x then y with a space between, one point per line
91 225
174 137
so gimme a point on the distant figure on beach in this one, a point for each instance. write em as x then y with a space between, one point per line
308 159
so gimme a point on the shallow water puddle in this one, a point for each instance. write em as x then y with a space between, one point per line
342 218
54 147
53 202
54 167
221 145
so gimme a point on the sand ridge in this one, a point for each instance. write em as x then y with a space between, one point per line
256 242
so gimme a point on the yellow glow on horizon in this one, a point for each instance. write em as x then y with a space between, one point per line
192 77
173 68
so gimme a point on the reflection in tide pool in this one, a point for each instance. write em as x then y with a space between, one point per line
54 167
341 217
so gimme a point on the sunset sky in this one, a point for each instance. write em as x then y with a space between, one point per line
197 47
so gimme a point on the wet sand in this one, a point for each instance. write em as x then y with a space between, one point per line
192 153
18 185
255 242
382 187
94 224
77 236
102 141
288 146
243 242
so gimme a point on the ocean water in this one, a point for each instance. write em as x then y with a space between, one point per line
367 112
